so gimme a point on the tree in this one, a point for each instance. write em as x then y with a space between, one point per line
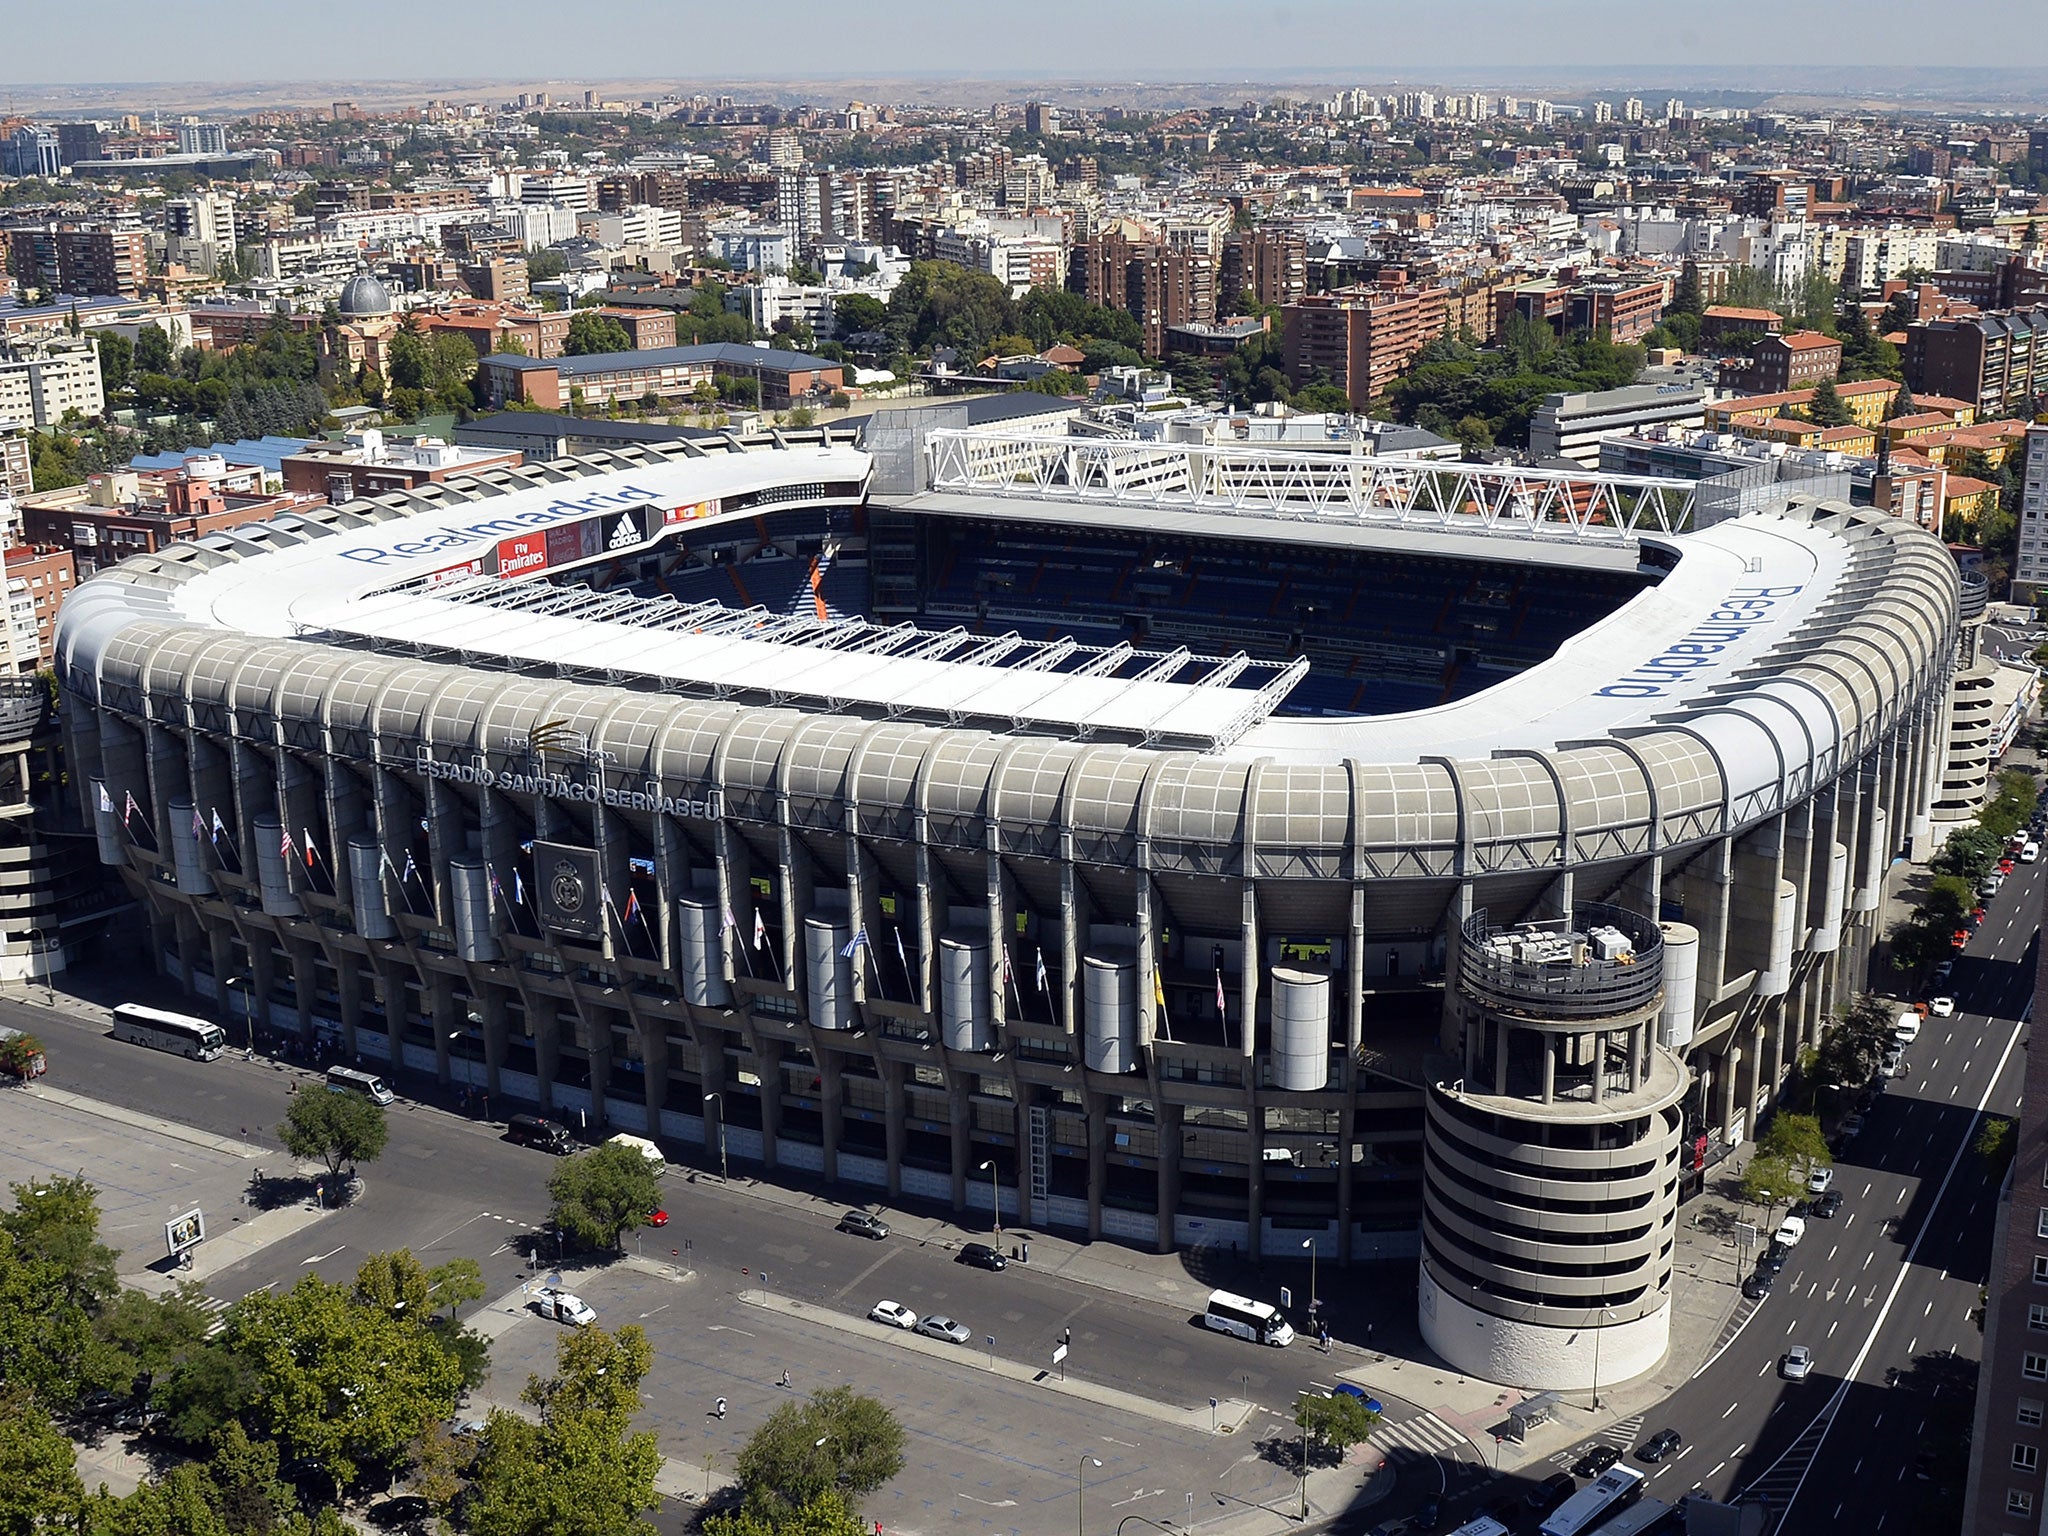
395 1283
39 1486
117 358
543 263
411 364
1797 1139
1996 1144
1852 1047
1826 408
509 343
450 1285
153 352
58 1223
153 1334
785 1466
580 1471
591 333
1334 1423
1769 1180
826 1515
602 1194
856 312
19 1054
338 1129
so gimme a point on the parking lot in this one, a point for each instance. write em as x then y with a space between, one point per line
987 1452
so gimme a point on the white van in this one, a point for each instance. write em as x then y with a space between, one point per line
1907 1030
644 1147
368 1084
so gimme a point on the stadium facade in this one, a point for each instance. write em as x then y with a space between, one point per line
1260 848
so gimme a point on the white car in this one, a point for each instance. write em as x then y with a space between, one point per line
1907 1029
1889 1067
1818 1181
1797 1364
1790 1230
894 1313
2030 853
1942 1007
565 1307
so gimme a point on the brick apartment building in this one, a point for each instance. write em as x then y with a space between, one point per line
1627 311
368 463
1269 264
1798 361
664 374
1157 285
2008 1488
134 512
1721 321
646 329
498 280
64 258
38 581
1998 362
1359 339
15 464
486 327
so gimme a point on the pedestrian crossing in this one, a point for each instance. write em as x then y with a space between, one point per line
216 1310
1422 1436
1622 1433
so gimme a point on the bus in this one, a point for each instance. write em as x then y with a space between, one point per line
1609 1493
1485 1525
1248 1319
368 1084
169 1031
1641 1519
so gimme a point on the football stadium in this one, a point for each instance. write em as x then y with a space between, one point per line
1186 845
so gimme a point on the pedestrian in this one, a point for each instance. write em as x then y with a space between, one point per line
785 1379
719 1409
1323 1336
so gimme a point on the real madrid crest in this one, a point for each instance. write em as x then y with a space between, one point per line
565 886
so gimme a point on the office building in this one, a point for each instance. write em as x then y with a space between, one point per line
1572 426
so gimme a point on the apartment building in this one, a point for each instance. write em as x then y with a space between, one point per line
1998 362
1269 264
2030 565
1798 361
1867 400
667 373
1573 426
135 512
1156 284
64 258
40 383
2008 1486
1624 310
38 581
1359 339
16 477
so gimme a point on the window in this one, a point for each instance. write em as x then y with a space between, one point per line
2029 1412
2034 1367
2025 1458
2018 1502
2037 1318
2041 1222
2041 1268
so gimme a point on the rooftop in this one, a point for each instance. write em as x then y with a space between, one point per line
726 354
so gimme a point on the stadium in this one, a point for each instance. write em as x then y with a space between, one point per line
1187 845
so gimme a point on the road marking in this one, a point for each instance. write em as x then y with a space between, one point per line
990 1503
1912 1346
1717 1467
1142 1493
1763 1368
1833 1326
727 1328
1928 1308
1832 1252
321 1258
1731 1408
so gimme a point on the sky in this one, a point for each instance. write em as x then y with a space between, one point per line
244 40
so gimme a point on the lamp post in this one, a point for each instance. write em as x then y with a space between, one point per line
1079 1467
247 981
1127 1519
1310 1244
1597 1333
995 1199
724 1167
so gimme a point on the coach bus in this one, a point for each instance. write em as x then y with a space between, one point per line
1484 1525
1611 1492
1255 1320
1647 1517
169 1031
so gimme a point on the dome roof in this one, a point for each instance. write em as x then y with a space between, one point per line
364 296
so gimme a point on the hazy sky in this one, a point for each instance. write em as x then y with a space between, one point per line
159 40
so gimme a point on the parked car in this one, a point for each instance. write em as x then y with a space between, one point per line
1893 1060
1829 1203
1352 1389
1596 1460
2030 853
1942 1007
1756 1287
981 1256
564 1307
1660 1445
1817 1182
862 1224
657 1218
1943 971
1907 1028
1797 1364
894 1313
1990 885
940 1327
1851 1128
533 1131
1770 1262
1790 1230
1550 1493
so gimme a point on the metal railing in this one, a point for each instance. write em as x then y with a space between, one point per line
1310 484
25 708
1577 986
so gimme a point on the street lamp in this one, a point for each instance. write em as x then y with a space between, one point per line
1605 1313
995 1198
1310 1244
1127 1519
248 980
1084 1462
724 1167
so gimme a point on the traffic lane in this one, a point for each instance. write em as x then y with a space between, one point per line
984 1451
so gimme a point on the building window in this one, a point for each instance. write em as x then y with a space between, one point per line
2018 1502
2041 1224
2041 1268
2037 1318
2025 1458
2029 1413
2034 1367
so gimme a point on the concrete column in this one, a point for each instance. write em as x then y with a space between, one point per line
1167 1118
1549 1068
1728 1066
543 1018
1347 1129
654 1057
892 1122
960 1138
496 1028
1705 888
1255 1179
831 1110
769 1054
1097 1107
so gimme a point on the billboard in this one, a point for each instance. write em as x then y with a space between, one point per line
185 1231
571 897
522 555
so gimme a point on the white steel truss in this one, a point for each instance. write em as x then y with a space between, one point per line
1310 484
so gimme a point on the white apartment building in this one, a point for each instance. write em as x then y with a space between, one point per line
320 260
533 224
199 229
569 191
637 224
39 385
2030 568
1874 257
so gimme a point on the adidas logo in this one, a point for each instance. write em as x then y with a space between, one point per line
625 531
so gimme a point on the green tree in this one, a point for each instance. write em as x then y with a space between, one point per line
39 1486
452 1284
581 1471
592 333
337 1129
411 362
826 1515
395 1283
509 343
203 1392
19 1053
838 1440
1334 1423
602 1194
1798 1139
152 352
1770 1180
1996 1144
859 312
153 1334
1826 408
117 358
246 1489
543 262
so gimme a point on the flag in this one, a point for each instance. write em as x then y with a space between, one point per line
633 907
1220 1013
311 851
198 823
219 831
760 930
412 870
518 888
730 920
384 863
858 941
1158 992
106 800
129 808
498 892
285 848
1041 971
901 958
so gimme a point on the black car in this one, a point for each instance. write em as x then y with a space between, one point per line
981 1256
1828 1204
1550 1493
1757 1286
1595 1461
1660 1445
862 1224
1771 1262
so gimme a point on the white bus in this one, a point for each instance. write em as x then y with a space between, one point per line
368 1084
1609 1493
1255 1320
169 1031
1485 1525
1645 1516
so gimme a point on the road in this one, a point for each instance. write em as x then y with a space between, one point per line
1886 1293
